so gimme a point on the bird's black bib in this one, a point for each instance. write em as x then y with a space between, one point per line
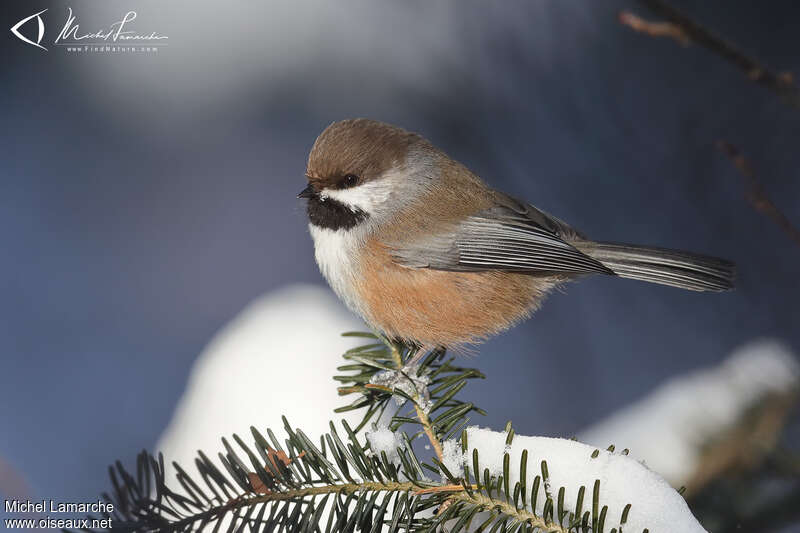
331 214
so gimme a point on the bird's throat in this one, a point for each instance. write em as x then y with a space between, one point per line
334 215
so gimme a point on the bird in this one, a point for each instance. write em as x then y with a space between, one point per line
426 253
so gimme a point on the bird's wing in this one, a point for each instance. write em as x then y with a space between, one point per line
511 236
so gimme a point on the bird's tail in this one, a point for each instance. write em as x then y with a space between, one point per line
660 265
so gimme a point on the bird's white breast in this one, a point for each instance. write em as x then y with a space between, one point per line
336 252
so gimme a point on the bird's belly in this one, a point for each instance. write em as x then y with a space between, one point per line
441 308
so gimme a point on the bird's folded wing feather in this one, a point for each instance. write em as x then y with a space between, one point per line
510 237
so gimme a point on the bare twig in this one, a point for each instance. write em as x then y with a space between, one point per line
756 194
683 29
654 29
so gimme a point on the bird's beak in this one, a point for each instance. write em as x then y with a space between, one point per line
308 192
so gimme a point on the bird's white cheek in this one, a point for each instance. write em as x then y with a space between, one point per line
370 197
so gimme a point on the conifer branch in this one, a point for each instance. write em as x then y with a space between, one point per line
291 495
345 484
430 384
521 515
422 416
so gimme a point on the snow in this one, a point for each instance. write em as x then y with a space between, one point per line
669 428
408 382
654 504
453 457
383 439
284 342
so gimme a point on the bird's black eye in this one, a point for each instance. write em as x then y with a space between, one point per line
350 180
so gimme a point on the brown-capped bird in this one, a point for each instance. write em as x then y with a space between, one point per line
424 251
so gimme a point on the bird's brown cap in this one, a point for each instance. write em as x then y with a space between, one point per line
356 147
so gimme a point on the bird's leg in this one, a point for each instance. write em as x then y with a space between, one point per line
416 359
420 351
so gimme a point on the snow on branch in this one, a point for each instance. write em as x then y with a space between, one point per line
374 476
630 497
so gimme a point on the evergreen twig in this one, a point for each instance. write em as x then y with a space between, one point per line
422 415
342 485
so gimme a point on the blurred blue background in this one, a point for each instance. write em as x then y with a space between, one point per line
145 199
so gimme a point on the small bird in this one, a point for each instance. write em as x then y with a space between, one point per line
427 253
